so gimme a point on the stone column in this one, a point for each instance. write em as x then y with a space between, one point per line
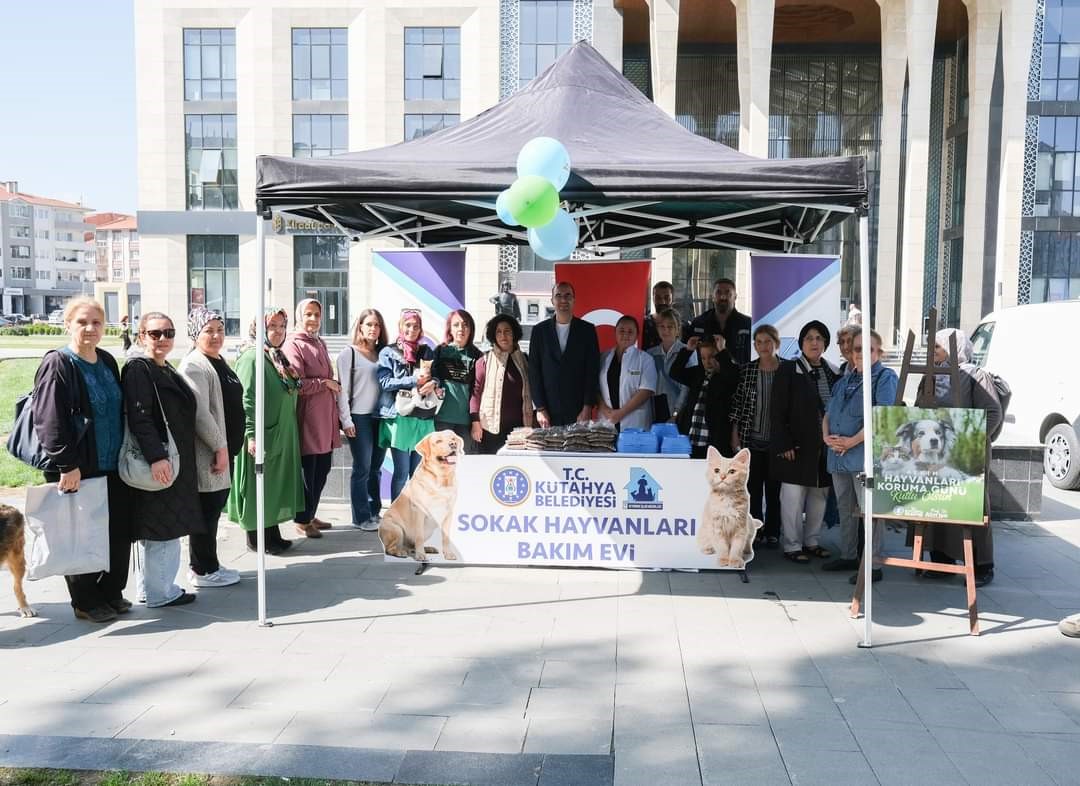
893 69
1018 23
984 18
921 29
663 62
754 33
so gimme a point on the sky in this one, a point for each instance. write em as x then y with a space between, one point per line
67 85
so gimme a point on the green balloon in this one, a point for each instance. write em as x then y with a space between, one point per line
532 200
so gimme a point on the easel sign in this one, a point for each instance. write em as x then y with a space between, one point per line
930 464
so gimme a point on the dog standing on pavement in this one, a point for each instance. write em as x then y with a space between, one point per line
12 552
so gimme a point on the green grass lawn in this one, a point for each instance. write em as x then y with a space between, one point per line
42 777
16 379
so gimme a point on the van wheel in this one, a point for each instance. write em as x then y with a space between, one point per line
1061 457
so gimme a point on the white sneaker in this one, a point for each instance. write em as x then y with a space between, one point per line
235 574
371 525
219 578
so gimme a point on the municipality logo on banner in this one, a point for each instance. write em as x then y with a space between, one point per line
510 486
642 491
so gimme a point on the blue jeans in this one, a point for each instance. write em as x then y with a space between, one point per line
405 464
367 458
158 562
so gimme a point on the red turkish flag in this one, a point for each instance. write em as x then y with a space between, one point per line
605 291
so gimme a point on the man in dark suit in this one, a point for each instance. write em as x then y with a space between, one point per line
564 363
723 319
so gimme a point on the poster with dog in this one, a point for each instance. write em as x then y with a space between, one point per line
930 463
572 509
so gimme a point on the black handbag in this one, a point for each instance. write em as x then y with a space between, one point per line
23 442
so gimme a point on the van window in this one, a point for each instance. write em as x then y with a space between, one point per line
980 342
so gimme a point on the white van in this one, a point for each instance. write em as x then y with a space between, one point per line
1031 347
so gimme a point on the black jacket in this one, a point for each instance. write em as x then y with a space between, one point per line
718 396
173 512
53 422
736 332
795 414
563 382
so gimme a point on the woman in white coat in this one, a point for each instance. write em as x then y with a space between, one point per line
627 379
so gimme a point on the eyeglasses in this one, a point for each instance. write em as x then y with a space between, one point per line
157 335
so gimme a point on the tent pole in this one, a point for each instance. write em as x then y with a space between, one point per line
260 419
868 431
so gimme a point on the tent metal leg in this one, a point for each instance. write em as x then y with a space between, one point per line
260 423
868 430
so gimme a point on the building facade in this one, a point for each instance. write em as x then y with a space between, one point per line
116 263
936 93
44 253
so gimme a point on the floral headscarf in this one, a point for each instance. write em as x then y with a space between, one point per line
290 379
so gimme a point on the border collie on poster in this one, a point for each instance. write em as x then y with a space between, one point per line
727 528
426 504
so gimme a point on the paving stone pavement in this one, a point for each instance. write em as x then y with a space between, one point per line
563 677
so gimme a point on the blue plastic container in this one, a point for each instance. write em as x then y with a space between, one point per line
678 444
662 430
634 440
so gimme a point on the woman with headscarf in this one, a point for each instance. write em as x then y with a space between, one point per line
283 488
801 392
316 412
219 435
403 366
974 391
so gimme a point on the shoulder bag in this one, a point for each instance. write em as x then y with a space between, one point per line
23 442
133 466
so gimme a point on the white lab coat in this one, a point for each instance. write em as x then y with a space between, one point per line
638 371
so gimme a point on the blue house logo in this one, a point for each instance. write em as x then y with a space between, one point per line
642 491
510 486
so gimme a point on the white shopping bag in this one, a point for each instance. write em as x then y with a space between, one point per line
68 533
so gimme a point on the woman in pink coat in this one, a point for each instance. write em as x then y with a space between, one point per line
316 411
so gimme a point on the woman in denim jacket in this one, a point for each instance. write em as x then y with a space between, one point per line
842 430
400 369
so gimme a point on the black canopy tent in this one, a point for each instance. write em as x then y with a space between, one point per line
639 179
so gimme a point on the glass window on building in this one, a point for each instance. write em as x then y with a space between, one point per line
1061 51
546 32
214 276
322 272
418 125
1055 270
432 64
693 271
210 146
316 136
320 63
209 64
1057 180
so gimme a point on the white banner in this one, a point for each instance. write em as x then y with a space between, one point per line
610 512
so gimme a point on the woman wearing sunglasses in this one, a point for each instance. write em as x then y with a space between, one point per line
158 402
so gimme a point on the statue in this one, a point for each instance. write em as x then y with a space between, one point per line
506 301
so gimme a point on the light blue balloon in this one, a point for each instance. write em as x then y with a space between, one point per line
546 157
503 212
556 239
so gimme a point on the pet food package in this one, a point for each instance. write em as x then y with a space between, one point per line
68 533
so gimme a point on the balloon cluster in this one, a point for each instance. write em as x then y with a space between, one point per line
543 167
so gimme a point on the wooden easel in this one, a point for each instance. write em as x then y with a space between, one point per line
925 399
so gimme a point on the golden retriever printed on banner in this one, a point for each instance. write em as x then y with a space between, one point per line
426 504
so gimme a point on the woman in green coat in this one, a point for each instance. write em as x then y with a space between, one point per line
284 484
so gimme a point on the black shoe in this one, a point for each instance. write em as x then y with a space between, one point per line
120 605
840 564
875 576
984 578
275 549
183 599
97 614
